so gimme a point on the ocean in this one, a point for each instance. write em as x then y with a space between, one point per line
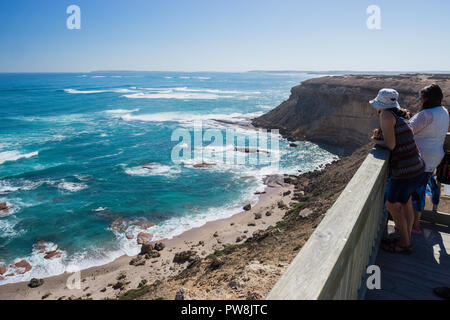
79 152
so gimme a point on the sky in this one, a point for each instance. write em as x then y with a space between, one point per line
224 35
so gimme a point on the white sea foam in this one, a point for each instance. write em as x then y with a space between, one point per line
15 155
190 117
7 228
72 186
153 169
185 93
41 267
177 225
108 155
185 89
82 177
75 91
13 185
175 95
121 111
123 90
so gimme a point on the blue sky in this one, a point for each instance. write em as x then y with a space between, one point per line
223 35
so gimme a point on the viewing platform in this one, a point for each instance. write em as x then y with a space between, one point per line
333 263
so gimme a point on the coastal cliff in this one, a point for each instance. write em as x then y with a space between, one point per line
335 110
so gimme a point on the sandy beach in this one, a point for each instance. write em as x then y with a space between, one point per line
110 280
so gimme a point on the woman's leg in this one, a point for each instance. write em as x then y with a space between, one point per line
409 211
417 217
397 211
419 197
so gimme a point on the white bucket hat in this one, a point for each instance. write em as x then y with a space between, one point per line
386 99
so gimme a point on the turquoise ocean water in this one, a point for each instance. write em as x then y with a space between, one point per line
73 147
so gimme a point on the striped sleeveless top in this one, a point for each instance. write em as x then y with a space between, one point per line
406 161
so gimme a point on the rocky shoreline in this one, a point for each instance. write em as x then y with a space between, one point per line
236 258
157 260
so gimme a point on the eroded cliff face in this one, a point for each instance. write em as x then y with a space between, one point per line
336 110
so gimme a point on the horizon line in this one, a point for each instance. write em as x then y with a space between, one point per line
247 71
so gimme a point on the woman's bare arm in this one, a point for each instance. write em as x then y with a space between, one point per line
387 122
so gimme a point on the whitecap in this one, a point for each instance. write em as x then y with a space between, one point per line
12 185
190 117
175 95
72 186
185 93
120 111
153 169
75 91
122 90
15 155
7 228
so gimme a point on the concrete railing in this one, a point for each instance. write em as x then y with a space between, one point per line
333 262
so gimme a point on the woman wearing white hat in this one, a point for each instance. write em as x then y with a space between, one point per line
406 166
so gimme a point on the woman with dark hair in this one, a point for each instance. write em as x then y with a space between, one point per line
430 127
405 164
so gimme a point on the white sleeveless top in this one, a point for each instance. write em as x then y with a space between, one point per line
430 127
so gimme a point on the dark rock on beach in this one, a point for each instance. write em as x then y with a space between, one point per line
286 193
138 261
247 207
152 254
142 283
180 294
146 248
216 263
34 283
182 257
159 246
119 285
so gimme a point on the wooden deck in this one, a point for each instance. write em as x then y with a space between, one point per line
406 277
